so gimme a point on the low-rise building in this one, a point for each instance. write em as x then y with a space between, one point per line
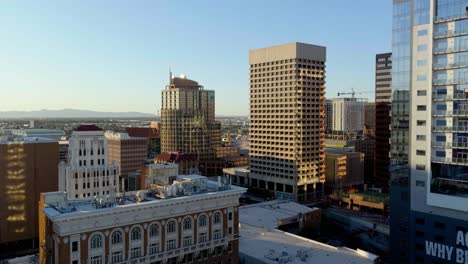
239 175
191 221
130 153
157 174
344 169
188 163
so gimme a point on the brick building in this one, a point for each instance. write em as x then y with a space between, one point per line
146 227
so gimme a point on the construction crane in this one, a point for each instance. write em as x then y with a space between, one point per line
352 93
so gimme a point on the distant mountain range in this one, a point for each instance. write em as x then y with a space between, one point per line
70 113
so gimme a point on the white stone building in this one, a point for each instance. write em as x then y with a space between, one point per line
349 114
87 172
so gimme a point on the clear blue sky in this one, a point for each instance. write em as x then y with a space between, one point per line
115 55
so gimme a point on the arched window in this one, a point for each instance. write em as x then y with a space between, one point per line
154 230
171 227
116 238
96 241
136 234
187 224
217 218
202 220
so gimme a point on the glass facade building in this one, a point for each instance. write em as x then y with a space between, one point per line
429 153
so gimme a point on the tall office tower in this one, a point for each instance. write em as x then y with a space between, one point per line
129 153
383 97
287 108
328 116
349 114
88 172
188 119
430 46
28 166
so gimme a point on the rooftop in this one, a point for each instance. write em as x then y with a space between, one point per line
22 140
39 131
187 187
83 128
275 246
269 214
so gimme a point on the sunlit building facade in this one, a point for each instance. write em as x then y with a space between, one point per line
28 166
429 135
287 113
88 171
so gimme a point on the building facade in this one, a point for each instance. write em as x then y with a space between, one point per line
432 34
328 116
152 136
28 166
367 147
383 98
188 119
344 170
349 114
88 172
202 227
287 111
129 153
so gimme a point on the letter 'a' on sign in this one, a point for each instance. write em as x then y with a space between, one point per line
461 238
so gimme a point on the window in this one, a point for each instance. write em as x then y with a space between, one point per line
439 225
96 260
74 246
420 167
422 32
440 154
421 108
422 92
187 241
421 122
154 230
421 152
116 257
420 221
202 220
420 183
154 248
230 216
230 230
171 244
135 252
216 234
422 47
75 262
217 218
421 63
135 234
96 241
171 228
116 238
202 237
187 224
421 78
421 137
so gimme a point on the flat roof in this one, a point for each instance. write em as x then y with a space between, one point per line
269 245
58 207
267 214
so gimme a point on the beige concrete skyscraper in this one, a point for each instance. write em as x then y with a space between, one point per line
188 119
287 107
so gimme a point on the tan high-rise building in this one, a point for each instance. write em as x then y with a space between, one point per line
188 119
287 107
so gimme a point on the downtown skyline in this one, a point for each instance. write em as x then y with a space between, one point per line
55 50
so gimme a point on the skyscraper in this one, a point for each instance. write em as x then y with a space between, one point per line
383 97
349 114
287 105
188 119
430 50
